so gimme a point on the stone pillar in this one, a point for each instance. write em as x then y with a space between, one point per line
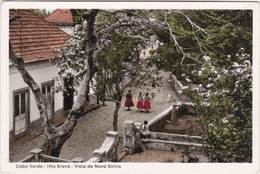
129 137
36 153
99 154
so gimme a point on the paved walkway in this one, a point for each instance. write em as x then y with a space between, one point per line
91 129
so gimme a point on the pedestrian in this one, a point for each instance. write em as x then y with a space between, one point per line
145 133
147 104
140 104
129 102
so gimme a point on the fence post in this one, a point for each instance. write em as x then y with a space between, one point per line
36 153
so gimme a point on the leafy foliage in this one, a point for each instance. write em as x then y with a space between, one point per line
219 33
227 116
41 12
116 62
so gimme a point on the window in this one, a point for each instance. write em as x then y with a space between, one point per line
48 96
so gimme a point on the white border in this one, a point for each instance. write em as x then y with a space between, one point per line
7 167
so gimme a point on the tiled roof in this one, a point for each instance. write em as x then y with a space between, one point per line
33 38
60 17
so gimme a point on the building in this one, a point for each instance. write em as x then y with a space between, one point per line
63 19
33 39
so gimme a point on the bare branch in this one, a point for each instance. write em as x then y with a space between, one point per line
193 24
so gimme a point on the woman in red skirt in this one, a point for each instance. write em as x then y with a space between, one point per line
140 104
147 104
129 102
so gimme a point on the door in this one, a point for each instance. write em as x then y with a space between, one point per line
68 93
48 96
21 112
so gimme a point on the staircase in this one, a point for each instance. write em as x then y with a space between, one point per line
166 141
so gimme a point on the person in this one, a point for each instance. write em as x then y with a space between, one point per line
145 133
140 104
147 104
129 102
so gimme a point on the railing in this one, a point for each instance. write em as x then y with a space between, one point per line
46 158
108 152
29 158
37 156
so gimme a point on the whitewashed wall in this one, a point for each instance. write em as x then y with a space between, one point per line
67 29
41 72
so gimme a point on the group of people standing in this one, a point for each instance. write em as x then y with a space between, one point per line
143 102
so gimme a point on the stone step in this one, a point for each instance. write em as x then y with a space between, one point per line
150 140
175 137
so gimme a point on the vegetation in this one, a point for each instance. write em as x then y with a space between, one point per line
41 12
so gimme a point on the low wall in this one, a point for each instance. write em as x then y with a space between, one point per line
108 152
158 122
179 88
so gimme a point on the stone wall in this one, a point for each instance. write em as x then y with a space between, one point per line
108 152
179 88
158 122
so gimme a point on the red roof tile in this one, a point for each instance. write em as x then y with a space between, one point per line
33 38
61 17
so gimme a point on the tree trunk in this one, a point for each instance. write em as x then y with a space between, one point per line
119 96
54 143
90 17
115 117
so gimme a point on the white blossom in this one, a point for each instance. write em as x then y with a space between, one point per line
224 120
209 85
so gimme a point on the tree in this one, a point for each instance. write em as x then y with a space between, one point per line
117 68
227 116
213 39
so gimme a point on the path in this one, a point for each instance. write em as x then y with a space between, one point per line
91 129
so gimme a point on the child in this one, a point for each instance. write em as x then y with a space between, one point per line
129 102
145 130
140 104
147 104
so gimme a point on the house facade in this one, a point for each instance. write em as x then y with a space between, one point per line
33 39
63 19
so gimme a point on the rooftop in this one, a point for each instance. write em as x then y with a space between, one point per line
60 17
33 38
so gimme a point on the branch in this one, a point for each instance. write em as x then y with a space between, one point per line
176 44
193 24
